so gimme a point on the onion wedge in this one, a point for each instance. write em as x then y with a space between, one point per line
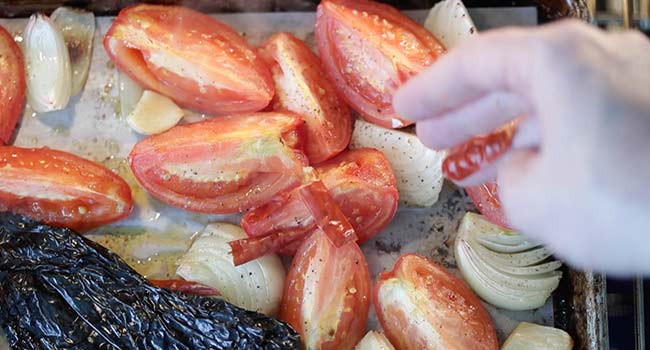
374 341
78 30
417 169
504 268
256 285
450 22
49 76
130 94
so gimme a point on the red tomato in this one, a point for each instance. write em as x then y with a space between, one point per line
480 151
422 306
61 189
369 50
222 165
12 88
324 214
185 287
327 294
486 199
361 184
190 57
301 86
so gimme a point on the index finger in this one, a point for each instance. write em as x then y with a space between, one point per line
496 61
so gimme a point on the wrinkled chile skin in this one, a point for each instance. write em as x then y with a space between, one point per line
59 290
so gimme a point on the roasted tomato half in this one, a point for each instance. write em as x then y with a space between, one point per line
369 50
301 86
327 294
12 85
222 165
486 199
190 57
422 306
61 189
361 184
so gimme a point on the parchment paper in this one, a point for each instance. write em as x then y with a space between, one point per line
92 127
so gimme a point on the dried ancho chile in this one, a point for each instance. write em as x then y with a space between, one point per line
59 290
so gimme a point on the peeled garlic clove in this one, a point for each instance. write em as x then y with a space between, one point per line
531 336
154 114
49 75
78 30
130 94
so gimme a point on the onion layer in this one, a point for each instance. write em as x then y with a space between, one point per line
130 94
450 22
374 341
49 76
502 267
78 30
256 285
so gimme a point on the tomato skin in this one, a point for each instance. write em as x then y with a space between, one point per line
222 165
422 306
186 287
302 87
480 151
190 57
327 294
486 199
369 50
360 182
12 89
61 189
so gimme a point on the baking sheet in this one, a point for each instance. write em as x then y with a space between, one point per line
92 127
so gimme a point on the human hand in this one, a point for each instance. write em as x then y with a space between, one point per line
577 175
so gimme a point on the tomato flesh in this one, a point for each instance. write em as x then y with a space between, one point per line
369 50
302 87
61 189
12 88
186 287
486 199
327 294
222 165
190 57
422 306
360 182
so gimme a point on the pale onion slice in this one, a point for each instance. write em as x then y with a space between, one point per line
78 30
130 93
417 169
154 113
49 76
374 341
528 336
256 285
517 277
450 22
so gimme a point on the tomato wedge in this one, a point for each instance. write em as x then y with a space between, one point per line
360 182
301 86
186 287
222 165
422 306
369 50
323 214
61 189
327 294
12 88
190 57
486 199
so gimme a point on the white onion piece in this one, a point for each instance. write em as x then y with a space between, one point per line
256 285
417 169
130 94
510 279
450 22
49 76
154 113
531 336
78 30
374 341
